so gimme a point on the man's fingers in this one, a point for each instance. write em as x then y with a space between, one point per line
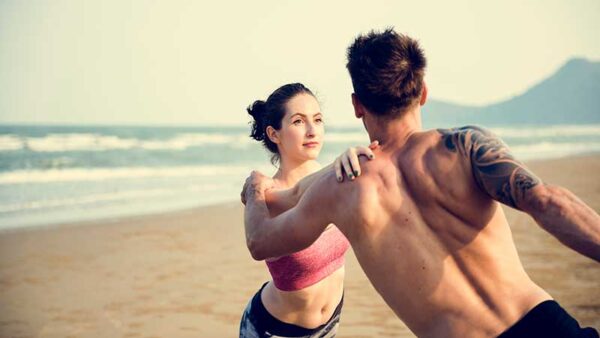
374 145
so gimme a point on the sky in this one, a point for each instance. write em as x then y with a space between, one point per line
202 63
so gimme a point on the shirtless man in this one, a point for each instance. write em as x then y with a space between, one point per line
423 217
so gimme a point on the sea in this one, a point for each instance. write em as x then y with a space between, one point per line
60 174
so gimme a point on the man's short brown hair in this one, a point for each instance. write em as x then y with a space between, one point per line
387 71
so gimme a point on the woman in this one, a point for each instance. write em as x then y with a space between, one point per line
305 297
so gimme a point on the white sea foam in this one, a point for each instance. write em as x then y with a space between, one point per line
108 197
80 200
549 131
98 174
10 142
543 150
98 142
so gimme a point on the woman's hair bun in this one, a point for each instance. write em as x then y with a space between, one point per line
257 111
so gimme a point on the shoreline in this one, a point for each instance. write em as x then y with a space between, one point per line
103 221
174 212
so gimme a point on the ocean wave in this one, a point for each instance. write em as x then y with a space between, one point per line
350 138
99 142
65 142
527 132
10 142
109 197
80 200
98 174
542 150
549 131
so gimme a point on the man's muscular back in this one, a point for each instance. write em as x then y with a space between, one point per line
432 240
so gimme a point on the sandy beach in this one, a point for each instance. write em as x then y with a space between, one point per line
189 274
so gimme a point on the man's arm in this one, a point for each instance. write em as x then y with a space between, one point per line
508 181
347 163
294 229
285 199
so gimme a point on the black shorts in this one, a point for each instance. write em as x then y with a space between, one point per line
549 320
257 322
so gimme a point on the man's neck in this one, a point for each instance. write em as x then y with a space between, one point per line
394 133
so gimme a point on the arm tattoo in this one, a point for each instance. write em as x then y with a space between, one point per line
495 170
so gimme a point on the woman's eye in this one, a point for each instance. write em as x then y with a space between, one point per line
297 122
319 120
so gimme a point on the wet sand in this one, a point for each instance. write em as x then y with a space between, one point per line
189 274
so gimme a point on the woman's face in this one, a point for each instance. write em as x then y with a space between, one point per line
301 135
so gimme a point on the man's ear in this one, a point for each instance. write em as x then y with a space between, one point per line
272 134
423 94
359 109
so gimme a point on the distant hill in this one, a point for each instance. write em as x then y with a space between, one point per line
569 96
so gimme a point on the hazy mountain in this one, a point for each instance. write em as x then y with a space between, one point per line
569 96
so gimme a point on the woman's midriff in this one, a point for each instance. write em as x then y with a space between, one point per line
309 307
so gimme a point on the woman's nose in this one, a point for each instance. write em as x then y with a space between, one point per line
310 129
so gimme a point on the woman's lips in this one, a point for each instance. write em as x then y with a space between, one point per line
311 144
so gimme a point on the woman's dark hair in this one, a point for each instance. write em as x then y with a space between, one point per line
271 112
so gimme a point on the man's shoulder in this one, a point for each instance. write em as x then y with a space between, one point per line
462 139
336 199
375 173
463 129
328 186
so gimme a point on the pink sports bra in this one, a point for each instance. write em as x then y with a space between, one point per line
309 266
